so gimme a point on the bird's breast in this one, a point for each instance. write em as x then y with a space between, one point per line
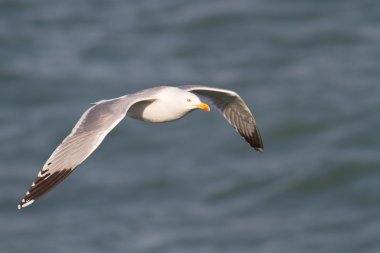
155 112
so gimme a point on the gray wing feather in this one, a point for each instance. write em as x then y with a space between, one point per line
86 136
234 110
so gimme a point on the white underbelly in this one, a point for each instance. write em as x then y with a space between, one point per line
155 112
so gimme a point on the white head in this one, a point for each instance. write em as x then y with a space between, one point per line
178 98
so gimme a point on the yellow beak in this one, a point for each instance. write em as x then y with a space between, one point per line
204 106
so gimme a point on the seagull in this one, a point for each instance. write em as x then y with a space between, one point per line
157 104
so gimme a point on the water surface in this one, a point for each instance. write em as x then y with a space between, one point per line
309 70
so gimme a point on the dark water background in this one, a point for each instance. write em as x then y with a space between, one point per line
308 69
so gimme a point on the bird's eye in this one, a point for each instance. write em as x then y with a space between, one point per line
188 100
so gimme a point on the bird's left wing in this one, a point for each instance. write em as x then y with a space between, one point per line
86 136
234 109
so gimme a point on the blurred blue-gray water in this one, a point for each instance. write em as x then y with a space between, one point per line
309 70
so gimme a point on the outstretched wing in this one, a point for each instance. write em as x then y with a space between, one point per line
234 110
85 137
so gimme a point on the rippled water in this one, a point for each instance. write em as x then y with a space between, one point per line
309 70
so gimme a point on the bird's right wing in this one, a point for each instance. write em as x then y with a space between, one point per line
86 136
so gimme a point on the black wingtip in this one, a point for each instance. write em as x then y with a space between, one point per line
258 143
255 140
42 185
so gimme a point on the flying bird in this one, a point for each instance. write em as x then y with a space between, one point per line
157 104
